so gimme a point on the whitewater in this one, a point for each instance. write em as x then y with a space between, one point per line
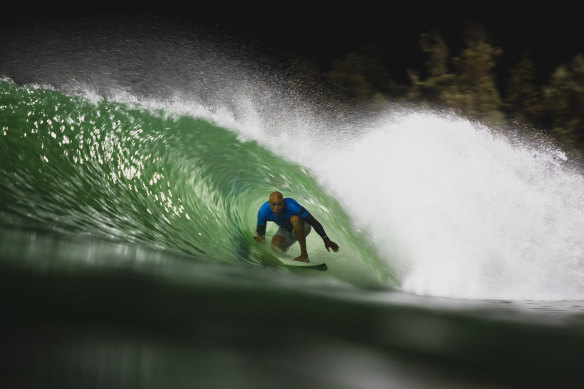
453 207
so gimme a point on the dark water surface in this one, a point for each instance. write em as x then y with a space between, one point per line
83 312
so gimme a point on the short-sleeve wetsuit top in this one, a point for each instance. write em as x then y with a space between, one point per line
291 207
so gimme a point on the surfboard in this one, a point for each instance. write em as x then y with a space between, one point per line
288 260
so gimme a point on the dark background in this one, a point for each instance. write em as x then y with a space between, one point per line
552 32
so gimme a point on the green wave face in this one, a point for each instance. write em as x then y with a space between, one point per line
172 182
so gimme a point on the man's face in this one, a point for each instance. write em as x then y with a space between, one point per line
277 205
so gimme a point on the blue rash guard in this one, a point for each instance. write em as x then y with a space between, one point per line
291 208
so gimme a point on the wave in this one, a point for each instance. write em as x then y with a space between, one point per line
160 140
155 178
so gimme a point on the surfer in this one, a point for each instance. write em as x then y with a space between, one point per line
295 224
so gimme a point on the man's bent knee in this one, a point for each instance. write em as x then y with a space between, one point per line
295 219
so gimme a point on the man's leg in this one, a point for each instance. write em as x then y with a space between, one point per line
279 243
298 226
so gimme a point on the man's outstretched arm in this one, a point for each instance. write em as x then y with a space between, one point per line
329 244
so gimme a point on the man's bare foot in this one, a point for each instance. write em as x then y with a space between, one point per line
302 258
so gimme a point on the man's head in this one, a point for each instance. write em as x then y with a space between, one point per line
276 202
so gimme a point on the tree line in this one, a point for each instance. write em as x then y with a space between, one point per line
466 83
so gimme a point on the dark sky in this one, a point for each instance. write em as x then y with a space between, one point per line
553 33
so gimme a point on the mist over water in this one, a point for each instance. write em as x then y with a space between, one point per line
452 207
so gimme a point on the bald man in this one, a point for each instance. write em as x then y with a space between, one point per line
295 224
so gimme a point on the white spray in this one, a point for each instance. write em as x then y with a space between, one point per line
456 209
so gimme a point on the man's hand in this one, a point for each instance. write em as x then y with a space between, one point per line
329 244
260 239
